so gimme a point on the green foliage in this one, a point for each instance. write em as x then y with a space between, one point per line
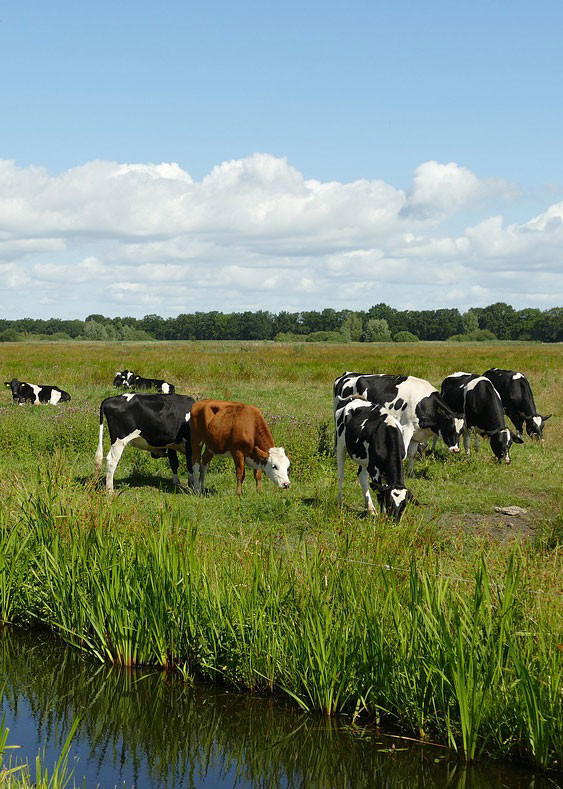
405 336
10 335
326 336
377 330
478 335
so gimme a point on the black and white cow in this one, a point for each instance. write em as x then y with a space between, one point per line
415 403
518 401
130 380
372 438
23 392
123 378
152 383
482 410
155 422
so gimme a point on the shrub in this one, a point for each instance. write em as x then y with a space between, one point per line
10 335
479 335
377 330
405 336
326 336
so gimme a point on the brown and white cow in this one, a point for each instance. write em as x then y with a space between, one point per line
241 431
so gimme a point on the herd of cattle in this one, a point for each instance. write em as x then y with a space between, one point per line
380 420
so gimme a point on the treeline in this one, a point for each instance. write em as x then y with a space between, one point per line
380 323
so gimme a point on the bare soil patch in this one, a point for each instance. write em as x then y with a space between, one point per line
494 526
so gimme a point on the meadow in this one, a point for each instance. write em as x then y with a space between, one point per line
447 627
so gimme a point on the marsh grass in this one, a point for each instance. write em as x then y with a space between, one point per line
434 627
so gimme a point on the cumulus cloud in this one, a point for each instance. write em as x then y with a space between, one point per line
254 233
440 190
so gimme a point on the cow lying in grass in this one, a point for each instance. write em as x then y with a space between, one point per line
130 380
241 431
372 438
23 392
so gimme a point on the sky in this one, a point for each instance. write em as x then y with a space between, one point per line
179 156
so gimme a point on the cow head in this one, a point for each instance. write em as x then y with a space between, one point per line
449 427
392 498
535 425
501 441
123 378
14 385
276 465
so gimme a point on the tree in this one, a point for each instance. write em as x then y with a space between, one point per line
500 318
353 326
377 330
470 321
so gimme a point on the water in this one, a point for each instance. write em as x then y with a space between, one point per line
150 731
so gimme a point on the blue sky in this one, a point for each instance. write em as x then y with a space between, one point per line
336 92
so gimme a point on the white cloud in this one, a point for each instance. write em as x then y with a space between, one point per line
254 233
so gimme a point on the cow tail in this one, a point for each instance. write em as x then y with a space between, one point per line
100 450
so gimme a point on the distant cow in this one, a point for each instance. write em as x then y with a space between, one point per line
123 378
483 411
23 392
241 431
130 380
414 402
517 400
155 422
373 439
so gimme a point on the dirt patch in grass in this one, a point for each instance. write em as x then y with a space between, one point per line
493 526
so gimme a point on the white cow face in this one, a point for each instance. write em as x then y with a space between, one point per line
277 467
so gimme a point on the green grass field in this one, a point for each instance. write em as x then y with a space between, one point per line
462 640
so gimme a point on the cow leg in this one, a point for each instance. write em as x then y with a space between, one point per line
363 476
174 464
189 465
467 440
196 465
258 478
205 461
238 457
411 452
114 456
434 442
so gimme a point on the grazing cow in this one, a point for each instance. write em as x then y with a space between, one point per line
241 431
155 422
130 380
123 378
483 412
414 402
517 400
23 392
372 438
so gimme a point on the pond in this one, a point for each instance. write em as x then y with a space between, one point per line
152 731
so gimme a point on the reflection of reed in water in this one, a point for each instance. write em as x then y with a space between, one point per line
185 733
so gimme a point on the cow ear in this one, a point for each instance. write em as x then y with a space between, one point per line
260 454
516 439
545 418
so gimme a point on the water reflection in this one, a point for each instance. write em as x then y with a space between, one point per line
148 730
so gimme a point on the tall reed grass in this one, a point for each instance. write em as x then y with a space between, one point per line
461 662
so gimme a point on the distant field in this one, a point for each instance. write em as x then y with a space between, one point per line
46 466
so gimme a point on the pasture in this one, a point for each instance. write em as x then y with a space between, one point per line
447 626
